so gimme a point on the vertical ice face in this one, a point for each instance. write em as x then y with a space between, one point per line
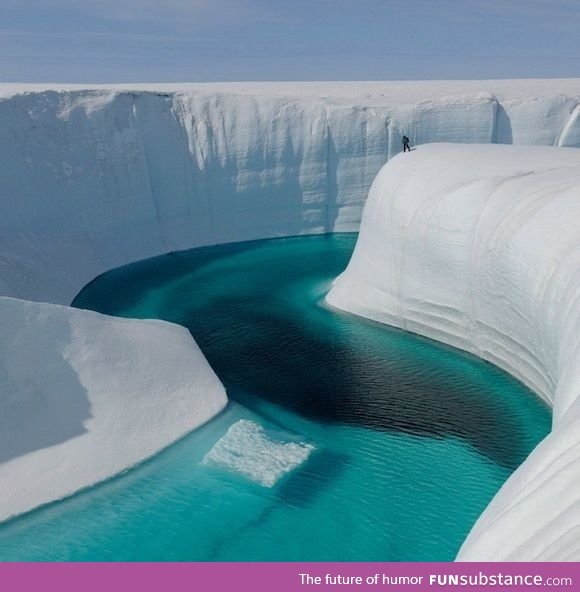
534 120
476 246
570 134
470 118
95 178
258 166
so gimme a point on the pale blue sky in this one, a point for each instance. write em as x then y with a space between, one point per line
217 40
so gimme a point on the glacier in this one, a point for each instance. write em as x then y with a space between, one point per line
475 246
84 396
94 177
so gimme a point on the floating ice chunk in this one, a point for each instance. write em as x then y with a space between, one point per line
249 450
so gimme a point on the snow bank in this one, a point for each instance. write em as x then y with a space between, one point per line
84 396
96 177
478 247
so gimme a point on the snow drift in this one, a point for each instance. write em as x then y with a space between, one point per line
84 396
477 246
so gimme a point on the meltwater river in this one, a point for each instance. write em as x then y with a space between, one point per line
408 439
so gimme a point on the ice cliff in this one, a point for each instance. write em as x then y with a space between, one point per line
478 247
92 178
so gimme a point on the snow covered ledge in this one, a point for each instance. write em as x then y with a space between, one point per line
84 396
479 246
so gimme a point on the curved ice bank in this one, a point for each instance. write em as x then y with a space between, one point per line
479 247
97 177
84 396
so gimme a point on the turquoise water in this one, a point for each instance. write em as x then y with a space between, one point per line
412 438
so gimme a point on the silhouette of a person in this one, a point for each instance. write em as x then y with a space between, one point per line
406 144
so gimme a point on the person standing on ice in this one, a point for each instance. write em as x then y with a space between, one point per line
406 144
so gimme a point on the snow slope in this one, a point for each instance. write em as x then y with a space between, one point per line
96 177
479 247
84 396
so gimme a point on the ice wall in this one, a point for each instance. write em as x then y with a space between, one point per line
478 247
93 178
84 396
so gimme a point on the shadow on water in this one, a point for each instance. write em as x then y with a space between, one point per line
316 475
335 382
299 489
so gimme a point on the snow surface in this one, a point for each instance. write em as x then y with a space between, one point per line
479 247
249 450
84 396
96 177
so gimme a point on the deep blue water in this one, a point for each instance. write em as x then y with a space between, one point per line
412 438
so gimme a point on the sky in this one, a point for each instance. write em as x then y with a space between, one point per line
108 41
